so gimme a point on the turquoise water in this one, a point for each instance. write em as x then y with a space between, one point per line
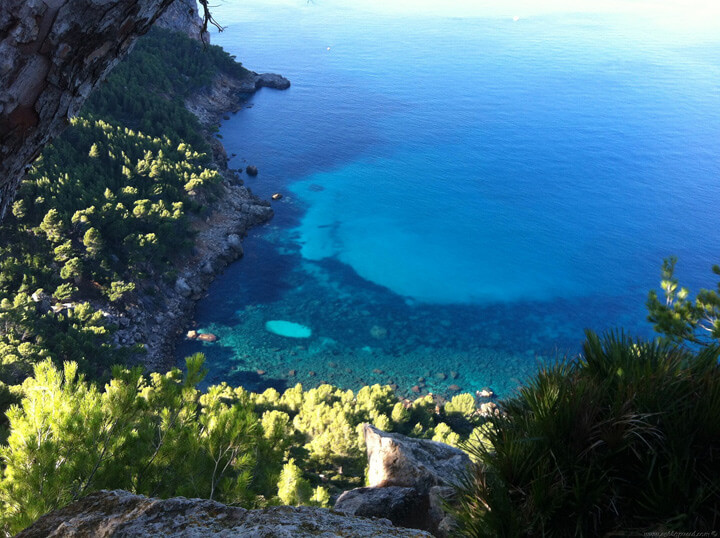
462 196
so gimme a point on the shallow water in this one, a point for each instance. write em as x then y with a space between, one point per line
462 196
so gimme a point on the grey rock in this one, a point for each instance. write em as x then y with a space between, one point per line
441 523
182 287
396 460
271 80
183 16
251 170
207 268
405 507
106 514
234 243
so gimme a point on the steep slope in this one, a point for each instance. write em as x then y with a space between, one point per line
52 54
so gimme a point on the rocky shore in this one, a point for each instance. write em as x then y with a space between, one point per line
158 318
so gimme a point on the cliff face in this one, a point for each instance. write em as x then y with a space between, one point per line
52 54
183 16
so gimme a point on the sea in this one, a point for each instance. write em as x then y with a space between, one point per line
466 188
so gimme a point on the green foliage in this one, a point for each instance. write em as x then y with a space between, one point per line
624 439
292 487
682 319
320 497
160 436
147 90
462 405
87 226
105 210
156 436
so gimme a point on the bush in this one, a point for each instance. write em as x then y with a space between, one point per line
625 438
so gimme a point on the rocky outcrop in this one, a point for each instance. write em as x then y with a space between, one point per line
271 80
52 54
396 460
411 480
118 513
227 94
158 321
183 16
405 507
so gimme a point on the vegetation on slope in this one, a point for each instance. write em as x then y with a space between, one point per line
624 437
146 92
622 440
105 210
681 318
160 436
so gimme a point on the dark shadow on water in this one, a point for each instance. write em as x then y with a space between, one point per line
254 382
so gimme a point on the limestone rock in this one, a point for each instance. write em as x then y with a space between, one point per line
182 287
207 337
440 522
106 514
207 268
396 460
405 507
183 16
234 243
271 80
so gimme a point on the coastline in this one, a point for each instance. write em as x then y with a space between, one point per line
157 321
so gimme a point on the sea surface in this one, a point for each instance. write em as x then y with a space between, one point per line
462 195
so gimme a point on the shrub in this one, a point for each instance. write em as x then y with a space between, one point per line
624 438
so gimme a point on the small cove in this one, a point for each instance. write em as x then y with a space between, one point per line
462 197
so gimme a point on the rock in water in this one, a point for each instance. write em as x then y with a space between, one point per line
289 329
106 514
271 80
396 460
207 337
251 170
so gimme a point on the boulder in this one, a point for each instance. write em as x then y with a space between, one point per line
251 170
207 337
396 460
271 80
405 507
489 408
410 482
207 268
233 241
105 514
182 287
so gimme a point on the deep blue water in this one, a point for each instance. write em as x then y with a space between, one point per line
461 195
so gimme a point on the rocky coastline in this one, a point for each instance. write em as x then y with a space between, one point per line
157 319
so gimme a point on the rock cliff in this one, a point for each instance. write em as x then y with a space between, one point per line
52 54
183 16
119 513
